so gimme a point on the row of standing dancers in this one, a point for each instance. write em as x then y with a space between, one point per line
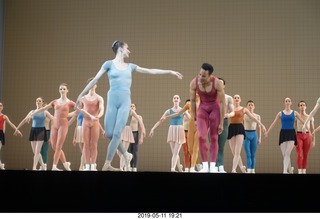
242 130
213 115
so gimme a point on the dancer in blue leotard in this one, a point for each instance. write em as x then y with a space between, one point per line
119 100
78 139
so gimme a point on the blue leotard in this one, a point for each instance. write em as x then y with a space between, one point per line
118 104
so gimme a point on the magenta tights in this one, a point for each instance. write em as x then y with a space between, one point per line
208 117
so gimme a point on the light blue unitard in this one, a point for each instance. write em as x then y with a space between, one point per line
118 105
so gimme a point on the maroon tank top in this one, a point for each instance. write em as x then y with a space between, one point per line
207 97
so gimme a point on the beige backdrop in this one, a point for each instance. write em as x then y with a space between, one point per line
265 50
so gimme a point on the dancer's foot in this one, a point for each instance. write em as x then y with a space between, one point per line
180 168
108 167
128 160
221 169
43 167
243 169
199 167
67 166
213 169
93 167
204 170
291 169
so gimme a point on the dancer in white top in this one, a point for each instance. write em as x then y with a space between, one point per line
304 138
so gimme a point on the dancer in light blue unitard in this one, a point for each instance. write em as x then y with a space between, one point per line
119 99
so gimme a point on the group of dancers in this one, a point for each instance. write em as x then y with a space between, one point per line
209 118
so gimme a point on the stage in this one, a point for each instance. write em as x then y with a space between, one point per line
79 191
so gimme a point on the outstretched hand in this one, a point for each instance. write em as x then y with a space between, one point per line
178 74
151 133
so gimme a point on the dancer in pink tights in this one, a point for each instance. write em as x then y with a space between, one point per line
60 125
94 105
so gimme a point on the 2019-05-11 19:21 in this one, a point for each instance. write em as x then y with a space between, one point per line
159 215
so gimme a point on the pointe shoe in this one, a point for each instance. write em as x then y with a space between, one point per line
134 169
55 169
129 158
192 170
87 167
199 167
221 169
291 170
67 166
43 167
93 167
180 168
213 169
243 169
204 170
2 166
108 167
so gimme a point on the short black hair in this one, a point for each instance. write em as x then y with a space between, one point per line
224 82
207 67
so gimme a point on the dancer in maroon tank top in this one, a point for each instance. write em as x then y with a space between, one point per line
209 116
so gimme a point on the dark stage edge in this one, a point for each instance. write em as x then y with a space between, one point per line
129 192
